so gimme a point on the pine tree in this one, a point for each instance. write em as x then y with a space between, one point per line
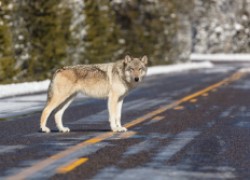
7 61
101 41
48 32
147 28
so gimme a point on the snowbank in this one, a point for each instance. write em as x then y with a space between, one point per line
220 57
177 68
23 88
35 87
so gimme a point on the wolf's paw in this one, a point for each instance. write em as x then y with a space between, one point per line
64 129
119 129
45 129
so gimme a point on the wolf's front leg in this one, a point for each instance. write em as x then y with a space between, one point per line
118 116
113 107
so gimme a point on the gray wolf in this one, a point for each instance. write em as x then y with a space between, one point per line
110 80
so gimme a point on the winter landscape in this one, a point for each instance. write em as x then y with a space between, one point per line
188 119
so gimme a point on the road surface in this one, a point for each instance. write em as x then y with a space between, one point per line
189 125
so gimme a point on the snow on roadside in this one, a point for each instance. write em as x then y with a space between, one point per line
23 88
220 57
35 87
177 68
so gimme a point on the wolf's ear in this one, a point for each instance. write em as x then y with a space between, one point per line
127 59
144 59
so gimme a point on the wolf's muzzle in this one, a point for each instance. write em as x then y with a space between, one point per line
136 79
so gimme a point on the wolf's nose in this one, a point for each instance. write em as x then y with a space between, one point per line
136 79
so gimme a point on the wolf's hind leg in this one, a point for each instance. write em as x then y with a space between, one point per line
52 104
62 89
59 115
43 121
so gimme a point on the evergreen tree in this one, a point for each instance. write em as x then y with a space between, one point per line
48 32
147 28
101 40
7 61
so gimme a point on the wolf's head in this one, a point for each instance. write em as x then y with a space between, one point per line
135 68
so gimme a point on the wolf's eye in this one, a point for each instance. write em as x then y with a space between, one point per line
131 69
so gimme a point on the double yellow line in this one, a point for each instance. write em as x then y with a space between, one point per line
28 172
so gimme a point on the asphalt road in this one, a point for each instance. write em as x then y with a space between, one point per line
189 125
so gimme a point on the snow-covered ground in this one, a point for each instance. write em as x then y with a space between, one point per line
220 57
23 88
177 68
42 86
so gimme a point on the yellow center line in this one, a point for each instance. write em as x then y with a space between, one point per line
205 94
29 171
178 107
158 118
72 165
193 100
93 140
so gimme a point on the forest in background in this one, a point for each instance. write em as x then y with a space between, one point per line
38 37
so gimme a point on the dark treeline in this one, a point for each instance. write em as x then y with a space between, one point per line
37 37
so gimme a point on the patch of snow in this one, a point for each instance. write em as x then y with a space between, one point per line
244 18
238 26
245 70
177 68
218 29
10 6
220 57
117 1
23 88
